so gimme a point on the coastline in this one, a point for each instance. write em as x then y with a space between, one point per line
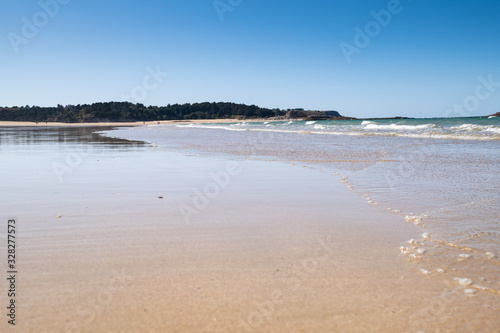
124 124
272 247
201 121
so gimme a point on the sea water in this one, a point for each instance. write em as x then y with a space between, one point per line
480 128
441 175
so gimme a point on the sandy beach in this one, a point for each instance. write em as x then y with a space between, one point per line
233 166
114 124
140 238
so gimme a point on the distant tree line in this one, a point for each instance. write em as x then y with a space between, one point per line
125 111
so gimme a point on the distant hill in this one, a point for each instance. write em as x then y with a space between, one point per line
125 111
313 115
333 114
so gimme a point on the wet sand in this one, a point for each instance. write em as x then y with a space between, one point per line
141 239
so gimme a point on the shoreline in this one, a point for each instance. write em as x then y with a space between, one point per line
198 121
125 124
260 253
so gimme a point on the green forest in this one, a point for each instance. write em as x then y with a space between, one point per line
125 111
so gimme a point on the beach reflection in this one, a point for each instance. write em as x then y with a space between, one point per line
26 136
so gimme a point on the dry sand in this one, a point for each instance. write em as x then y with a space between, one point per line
137 123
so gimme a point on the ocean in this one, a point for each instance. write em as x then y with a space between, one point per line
440 175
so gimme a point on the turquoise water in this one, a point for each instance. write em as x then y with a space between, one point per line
442 175
436 128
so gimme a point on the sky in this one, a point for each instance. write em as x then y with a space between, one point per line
413 58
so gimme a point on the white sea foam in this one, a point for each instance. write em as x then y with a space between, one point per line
464 281
490 255
494 129
398 127
240 124
470 292
412 218
367 128
405 250
468 127
476 128
412 242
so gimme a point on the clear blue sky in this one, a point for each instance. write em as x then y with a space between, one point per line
424 59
